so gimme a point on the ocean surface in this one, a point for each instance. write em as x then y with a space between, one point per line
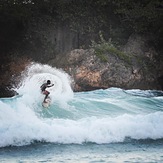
112 125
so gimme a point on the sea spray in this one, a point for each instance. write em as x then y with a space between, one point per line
37 74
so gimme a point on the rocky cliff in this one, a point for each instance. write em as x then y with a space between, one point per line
128 55
90 72
137 68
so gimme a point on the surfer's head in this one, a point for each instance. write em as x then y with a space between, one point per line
48 82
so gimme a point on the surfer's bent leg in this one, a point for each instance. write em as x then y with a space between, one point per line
46 95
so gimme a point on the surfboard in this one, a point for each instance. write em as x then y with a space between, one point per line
47 103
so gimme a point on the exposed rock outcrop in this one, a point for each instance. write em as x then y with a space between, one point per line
10 75
89 72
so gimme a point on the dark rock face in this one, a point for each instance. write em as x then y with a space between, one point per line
7 92
160 80
10 75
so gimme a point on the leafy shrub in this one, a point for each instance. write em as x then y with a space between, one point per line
103 47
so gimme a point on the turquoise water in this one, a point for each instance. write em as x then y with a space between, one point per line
112 125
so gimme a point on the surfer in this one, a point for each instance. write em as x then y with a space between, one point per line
43 89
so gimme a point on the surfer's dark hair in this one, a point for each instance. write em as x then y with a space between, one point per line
48 81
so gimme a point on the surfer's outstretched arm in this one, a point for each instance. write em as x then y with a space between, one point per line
50 85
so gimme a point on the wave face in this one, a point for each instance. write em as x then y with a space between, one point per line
101 116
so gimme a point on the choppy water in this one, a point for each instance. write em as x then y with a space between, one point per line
111 125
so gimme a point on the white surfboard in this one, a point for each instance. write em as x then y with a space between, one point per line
47 103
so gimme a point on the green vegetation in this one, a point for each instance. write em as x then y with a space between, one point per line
86 17
103 48
144 17
141 16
